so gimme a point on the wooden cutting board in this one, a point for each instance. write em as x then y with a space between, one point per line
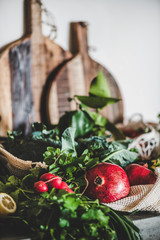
75 77
24 67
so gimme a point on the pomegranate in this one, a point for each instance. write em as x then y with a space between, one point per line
40 187
107 182
138 174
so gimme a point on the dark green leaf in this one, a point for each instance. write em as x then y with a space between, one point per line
117 133
95 101
82 122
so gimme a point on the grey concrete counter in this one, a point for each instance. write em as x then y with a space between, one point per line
149 224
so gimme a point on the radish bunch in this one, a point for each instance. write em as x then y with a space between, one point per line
48 181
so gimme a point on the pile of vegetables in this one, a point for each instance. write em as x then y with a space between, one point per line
59 214
53 203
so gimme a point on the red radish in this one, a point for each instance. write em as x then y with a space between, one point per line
69 190
138 174
46 176
40 187
65 186
55 182
51 180
107 182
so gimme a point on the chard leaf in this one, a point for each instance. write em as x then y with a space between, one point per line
121 157
68 143
99 86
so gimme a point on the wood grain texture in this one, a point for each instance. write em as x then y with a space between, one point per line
68 81
46 56
5 95
38 67
21 94
55 75
56 57
75 77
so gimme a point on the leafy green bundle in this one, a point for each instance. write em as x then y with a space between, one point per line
69 149
75 157
59 215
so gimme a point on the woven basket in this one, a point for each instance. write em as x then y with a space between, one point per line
147 144
17 166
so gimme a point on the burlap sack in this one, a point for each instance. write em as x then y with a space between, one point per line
141 197
17 166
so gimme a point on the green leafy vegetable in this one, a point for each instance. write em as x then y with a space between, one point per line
68 144
56 214
33 146
60 215
121 157
96 102
80 120
99 86
99 93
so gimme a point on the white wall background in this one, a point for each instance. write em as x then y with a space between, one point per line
125 33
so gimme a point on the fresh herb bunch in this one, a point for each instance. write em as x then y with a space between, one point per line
60 215
66 216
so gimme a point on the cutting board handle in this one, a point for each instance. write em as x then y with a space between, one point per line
78 38
32 15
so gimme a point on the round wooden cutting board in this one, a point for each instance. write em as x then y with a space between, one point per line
75 76
24 67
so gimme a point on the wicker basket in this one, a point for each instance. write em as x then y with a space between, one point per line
17 166
147 144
